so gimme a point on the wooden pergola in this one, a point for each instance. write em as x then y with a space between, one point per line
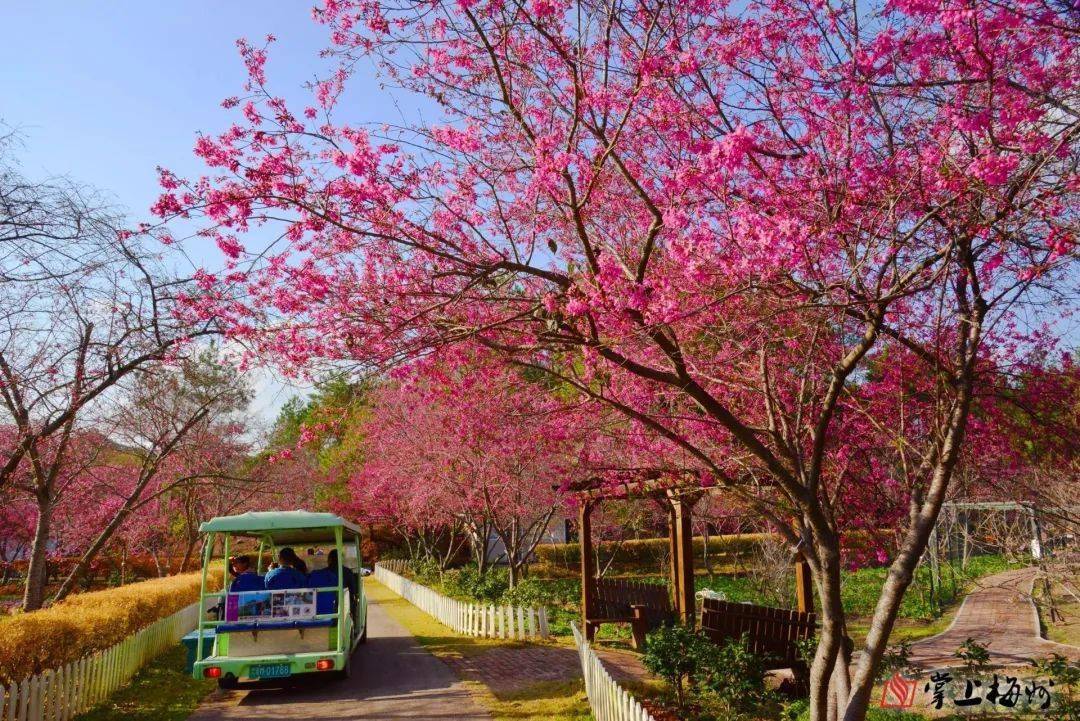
679 500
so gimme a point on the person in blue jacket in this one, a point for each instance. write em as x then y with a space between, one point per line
289 572
327 577
326 601
244 579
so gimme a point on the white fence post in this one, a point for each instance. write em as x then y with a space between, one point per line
488 621
63 693
608 700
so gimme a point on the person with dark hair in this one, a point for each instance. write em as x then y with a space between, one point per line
348 574
287 555
288 572
244 579
327 577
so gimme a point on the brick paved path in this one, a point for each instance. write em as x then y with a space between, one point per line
1000 614
623 665
513 668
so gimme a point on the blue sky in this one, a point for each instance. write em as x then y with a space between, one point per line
103 92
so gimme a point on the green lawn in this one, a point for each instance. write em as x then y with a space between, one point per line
1066 627
922 613
161 691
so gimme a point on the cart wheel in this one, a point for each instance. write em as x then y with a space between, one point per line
227 682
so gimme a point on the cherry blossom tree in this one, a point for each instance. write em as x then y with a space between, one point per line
84 303
16 535
170 420
460 447
744 227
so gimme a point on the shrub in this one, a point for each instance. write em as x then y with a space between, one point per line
672 653
896 659
733 675
728 673
1066 677
544 592
649 551
974 655
88 622
426 571
468 582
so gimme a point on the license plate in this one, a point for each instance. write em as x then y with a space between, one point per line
270 670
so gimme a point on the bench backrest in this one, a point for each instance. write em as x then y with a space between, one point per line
615 596
771 632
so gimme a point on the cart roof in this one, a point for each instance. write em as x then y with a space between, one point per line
282 526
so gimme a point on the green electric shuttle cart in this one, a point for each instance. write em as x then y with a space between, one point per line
279 633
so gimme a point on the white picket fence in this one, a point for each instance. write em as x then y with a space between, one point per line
472 619
609 701
63 693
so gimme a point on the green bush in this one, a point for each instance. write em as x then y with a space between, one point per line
468 582
649 551
1066 677
734 675
672 652
727 675
545 592
426 571
896 659
975 656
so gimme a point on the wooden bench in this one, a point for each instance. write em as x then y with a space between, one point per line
771 633
614 600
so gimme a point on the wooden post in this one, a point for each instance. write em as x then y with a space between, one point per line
682 542
673 551
686 559
588 565
804 586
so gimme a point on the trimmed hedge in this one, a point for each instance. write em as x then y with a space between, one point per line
88 622
651 551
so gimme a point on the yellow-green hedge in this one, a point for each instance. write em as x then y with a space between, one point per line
650 551
86 622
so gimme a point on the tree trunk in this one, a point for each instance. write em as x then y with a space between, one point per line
479 537
825 563
481 551
924 515
187 554
37 570
513 573
91 553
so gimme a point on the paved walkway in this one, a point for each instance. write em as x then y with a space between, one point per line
393 677
1000 614
506 669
